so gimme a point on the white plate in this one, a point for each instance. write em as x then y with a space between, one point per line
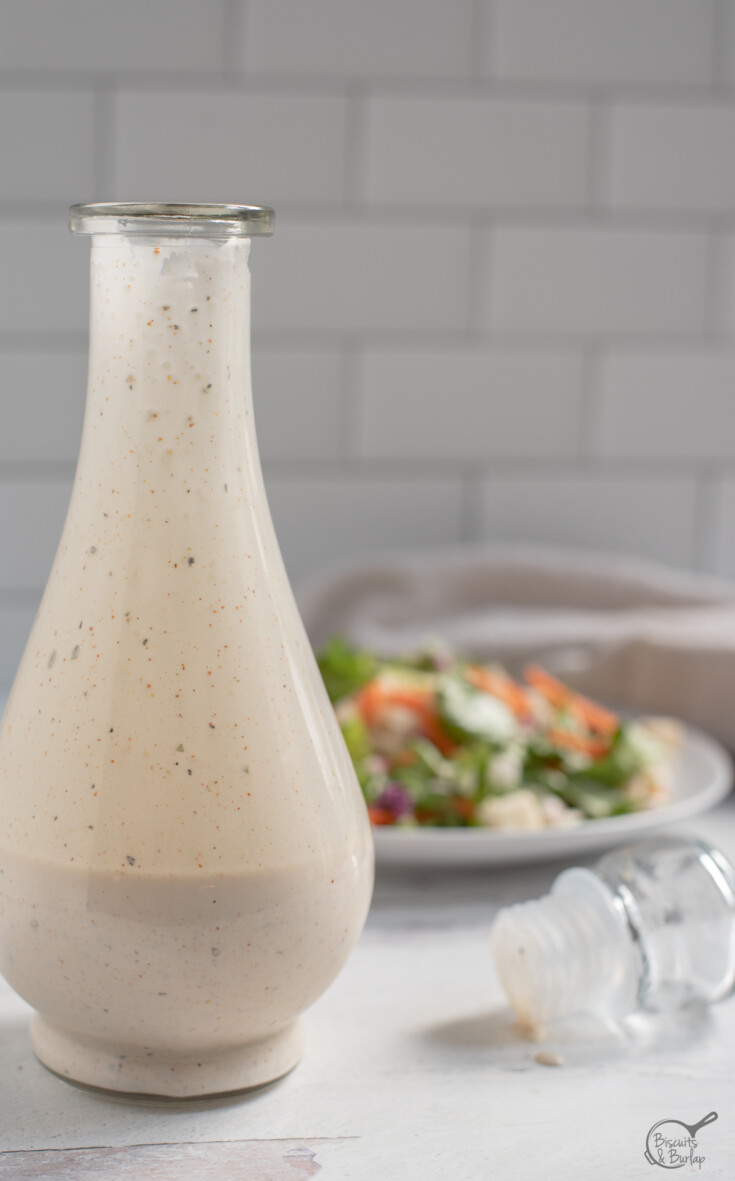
703 777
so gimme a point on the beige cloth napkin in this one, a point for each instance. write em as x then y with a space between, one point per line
637 634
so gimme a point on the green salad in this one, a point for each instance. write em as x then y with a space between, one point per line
441 741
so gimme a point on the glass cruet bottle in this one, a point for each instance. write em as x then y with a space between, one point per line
185 855
651 926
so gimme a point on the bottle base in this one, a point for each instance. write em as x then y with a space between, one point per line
153 1075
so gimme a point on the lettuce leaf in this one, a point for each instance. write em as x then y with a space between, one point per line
345 669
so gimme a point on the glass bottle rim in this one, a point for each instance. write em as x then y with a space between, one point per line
186 221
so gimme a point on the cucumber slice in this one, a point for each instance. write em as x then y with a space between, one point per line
468 713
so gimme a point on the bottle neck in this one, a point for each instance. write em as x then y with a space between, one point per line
169 367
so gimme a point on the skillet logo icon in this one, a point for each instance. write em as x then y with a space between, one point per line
672 1143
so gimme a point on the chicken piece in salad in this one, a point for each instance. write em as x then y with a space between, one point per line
437 740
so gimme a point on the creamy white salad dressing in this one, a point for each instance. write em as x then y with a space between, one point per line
168 738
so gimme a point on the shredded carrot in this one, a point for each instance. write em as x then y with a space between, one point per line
404 758
381 816
504 688
418 699
464 808
561 696
373 698
432 729
555 692
368 701
594 747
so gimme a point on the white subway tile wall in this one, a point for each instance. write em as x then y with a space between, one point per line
41 406
321 517
593 511
15 624
504 153
299 416
43 278
500 302
722 552
349 275
673 158
93 36
47 143
592 281
383 38
680 406
32 512
602 42
462 405
276 147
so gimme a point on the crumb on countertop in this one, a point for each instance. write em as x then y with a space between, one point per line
547 1058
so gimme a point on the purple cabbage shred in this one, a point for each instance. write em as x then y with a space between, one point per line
396 799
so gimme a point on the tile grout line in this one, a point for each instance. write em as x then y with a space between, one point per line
599 147
36 471
480 281
722 32
350 433
485 85
482 26
411 339
105 127
43 342
714 312
356 146
376 214
471 506
234 28
658 469
703 543
21 598
589 438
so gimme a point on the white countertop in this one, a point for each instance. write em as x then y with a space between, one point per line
412 1070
